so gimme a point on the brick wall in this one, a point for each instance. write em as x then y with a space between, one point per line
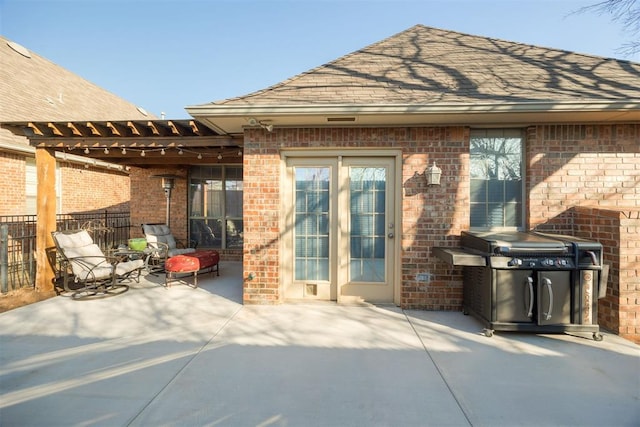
580 165
12 196
90 189
83 189
618 231
431 215
585 180
149 204
567 166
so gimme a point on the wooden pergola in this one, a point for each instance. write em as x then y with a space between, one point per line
133 142
148 143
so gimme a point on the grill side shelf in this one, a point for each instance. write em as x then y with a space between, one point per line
459 256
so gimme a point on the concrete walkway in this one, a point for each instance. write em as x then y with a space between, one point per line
196 357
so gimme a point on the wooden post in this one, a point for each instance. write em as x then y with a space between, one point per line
46 221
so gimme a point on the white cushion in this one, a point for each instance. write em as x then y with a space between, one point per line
123 268
87 259
74 240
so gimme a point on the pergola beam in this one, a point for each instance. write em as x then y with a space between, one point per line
151 142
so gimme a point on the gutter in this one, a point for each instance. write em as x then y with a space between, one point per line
222 110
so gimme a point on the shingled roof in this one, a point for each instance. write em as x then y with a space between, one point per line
36 89
430 67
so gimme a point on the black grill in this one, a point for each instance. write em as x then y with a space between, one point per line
530 282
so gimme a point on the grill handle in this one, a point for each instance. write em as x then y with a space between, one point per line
547 284
529 307
507 250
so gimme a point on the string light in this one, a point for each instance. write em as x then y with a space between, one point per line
162 150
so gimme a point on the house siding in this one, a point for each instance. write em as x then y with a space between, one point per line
567 166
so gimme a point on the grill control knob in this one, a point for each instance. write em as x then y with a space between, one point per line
515 262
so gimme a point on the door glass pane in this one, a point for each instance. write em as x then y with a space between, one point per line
367 195
312 223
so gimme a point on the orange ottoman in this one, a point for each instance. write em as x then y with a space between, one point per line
192 263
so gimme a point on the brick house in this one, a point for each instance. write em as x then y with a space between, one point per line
330 169
35 89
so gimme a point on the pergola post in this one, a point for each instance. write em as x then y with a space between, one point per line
46 218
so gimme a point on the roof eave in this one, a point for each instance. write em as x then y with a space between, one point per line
227 118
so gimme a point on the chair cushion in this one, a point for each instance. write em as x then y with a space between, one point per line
159 233
123 268
87 259
191 262
73 240
182 264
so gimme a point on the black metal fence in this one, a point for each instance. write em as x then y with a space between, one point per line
18 241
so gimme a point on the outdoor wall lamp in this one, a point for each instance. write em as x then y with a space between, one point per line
433 174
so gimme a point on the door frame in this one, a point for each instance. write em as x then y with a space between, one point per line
285 266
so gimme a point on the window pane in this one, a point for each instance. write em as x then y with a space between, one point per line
479 190
234 233
206 232
496 178
312 224
495 191
479 215
215 202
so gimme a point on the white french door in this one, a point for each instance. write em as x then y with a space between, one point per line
339 231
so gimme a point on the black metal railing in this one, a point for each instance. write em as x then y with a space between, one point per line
18 241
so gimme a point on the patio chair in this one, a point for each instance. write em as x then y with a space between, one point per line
160 238
95 275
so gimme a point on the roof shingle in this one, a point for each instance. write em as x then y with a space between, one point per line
425 65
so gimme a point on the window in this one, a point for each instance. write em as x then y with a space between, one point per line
496 178
215 200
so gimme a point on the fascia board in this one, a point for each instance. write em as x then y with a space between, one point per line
390 109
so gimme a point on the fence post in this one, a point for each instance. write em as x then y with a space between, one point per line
4 257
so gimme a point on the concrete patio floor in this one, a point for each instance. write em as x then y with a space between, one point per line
194 357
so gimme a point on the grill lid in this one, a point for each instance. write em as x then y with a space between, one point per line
512 242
